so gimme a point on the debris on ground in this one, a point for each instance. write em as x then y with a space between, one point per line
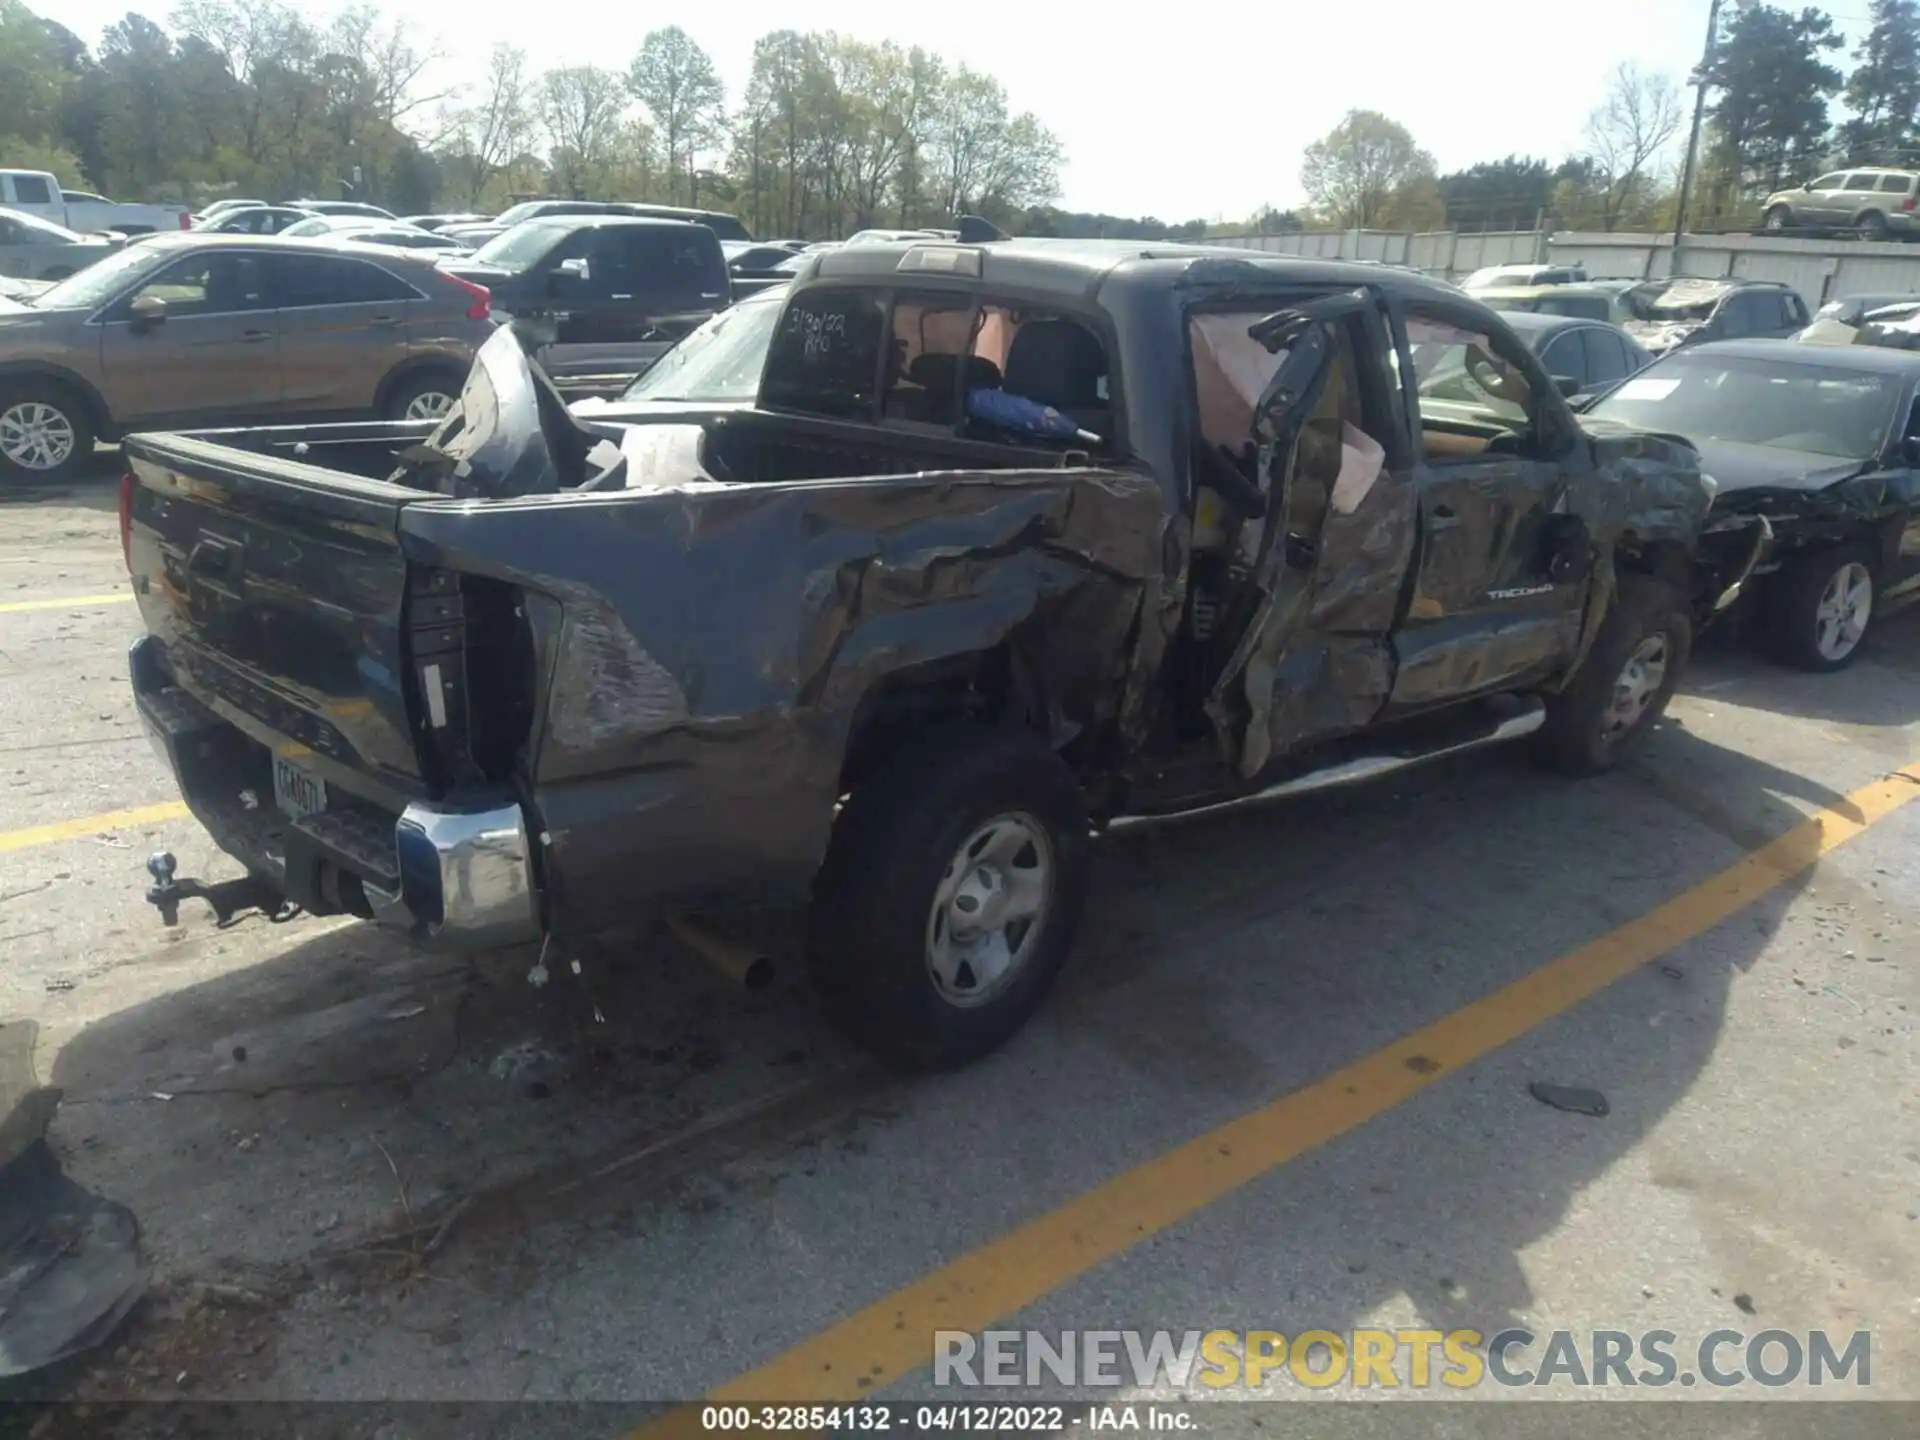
1574 1099
70 1264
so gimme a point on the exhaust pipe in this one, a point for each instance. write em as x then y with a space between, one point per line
742 964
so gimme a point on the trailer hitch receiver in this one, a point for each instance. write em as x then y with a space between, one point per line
227 897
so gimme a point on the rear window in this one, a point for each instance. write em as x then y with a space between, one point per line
1895 184
825 356
307 280
32 190
1581 307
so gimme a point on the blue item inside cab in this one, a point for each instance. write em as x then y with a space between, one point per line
1029 417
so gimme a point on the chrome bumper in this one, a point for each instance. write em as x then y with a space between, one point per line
466 878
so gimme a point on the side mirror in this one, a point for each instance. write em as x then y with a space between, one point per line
574 269
1566 385
147 312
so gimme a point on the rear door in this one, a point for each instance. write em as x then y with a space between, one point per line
1326 523
344 326
1608 358
215 357
1496 448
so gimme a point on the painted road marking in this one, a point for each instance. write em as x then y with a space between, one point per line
76 602
91 825
891 1338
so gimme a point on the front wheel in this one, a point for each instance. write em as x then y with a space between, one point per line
1818 607
1778 218
949 897
1610 706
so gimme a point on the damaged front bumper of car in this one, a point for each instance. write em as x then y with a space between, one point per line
448 877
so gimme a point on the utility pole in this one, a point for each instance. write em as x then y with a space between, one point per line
1693 136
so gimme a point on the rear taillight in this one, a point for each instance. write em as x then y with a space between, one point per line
127 484
1908 203
186 221
482 297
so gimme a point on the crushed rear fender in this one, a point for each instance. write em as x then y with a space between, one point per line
704 651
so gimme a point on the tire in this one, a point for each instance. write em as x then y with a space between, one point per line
1647 628
423 387
879 922
1778 218
1873 226
46 434
1793 628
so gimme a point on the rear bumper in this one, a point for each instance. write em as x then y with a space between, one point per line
449 877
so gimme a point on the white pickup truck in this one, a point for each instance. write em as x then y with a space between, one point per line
37 192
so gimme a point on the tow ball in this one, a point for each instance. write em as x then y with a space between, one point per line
227 897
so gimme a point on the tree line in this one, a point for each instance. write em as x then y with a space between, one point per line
832 134
1775 77
251 97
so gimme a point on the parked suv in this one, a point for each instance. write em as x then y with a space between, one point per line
207 329
1879 204
1693 310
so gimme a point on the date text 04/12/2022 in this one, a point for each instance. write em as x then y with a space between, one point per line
879 1417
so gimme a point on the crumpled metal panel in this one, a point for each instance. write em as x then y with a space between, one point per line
716 643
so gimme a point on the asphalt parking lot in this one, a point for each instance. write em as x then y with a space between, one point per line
1284 1084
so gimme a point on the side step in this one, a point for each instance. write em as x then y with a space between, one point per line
1363 767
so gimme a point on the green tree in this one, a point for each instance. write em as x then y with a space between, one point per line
1771 113
1884 91
676 80
1506 194
32 77
1353 173
582 108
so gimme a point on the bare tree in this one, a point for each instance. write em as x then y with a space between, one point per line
675 79
1626 133
581 107
497 127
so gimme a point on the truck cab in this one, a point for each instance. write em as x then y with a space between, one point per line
38 192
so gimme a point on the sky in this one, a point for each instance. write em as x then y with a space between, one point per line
1194 110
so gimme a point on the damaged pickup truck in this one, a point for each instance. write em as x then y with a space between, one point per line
1021 542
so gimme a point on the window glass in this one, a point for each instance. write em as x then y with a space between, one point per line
1461 377
1607 358
1858 181
1564 357
928 337
1737 318
32 190
1779 403
662 262
1828 182
1895 184
1036 377
10 232
825 356
309 280
219 282
1581 307
722 360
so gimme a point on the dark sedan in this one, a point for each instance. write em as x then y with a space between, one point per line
1824 442
1583 356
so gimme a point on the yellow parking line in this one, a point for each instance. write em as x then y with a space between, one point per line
893 1336
90 825
72 602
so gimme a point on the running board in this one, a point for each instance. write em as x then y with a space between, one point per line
1351 772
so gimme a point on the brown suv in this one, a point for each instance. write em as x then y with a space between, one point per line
207 329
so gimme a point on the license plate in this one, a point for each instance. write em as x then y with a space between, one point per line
297 792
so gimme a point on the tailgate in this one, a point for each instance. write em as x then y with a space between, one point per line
281 596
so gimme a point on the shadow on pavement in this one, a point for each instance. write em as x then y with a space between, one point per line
95 488
344 1087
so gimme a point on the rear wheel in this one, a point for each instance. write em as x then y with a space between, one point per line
1612 704
1873 226
949 896
427 396
46 435
1818 607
